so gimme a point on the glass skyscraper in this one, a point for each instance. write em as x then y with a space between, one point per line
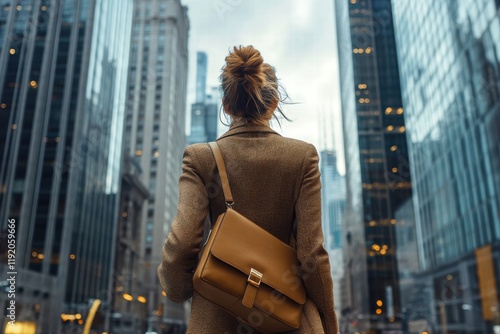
63 69
333 199
201 76
332 210
377 174
205 110
449 55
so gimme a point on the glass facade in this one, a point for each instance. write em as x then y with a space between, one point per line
333 199
332 211
62 92
377 174
449 54
201 76
204 110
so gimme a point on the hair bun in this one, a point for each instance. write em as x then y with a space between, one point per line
249 86
245 65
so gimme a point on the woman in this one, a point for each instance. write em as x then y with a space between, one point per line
274 181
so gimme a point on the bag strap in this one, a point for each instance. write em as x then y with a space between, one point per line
228 197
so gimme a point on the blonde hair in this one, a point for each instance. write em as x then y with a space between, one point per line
250 88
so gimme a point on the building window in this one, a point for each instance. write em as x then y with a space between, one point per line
163 9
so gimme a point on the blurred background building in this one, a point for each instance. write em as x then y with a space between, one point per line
377 174
63 70
204 111
451 96
155 136
332 209
128 317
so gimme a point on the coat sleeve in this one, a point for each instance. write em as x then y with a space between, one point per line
183 243
313 258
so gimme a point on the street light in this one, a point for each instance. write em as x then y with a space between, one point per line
128 297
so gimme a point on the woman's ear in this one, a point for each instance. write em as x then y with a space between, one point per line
224 105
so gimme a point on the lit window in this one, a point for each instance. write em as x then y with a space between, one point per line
3 105
394 148
378 311
402 129
400 111
12 51
19 8
33 84
388 110
368 50
394 170
156 154
390 128
138 152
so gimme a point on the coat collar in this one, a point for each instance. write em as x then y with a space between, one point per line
238 127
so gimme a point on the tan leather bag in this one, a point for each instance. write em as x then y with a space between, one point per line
249 272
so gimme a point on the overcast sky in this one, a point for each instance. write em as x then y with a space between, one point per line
297 37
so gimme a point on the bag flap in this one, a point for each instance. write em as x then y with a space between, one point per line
244 245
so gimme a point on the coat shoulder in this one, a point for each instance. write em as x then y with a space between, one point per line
200 150
298 145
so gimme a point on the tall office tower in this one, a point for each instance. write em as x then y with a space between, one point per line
333 199
204 110
332 208
154 134
377 174
127 317
201 76
451 96
62 91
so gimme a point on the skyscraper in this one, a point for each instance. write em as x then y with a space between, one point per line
451 95
201 76
377 174
62 92
127 317
204 110
154 134
332 208
333 199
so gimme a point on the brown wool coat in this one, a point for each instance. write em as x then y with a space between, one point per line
273 180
